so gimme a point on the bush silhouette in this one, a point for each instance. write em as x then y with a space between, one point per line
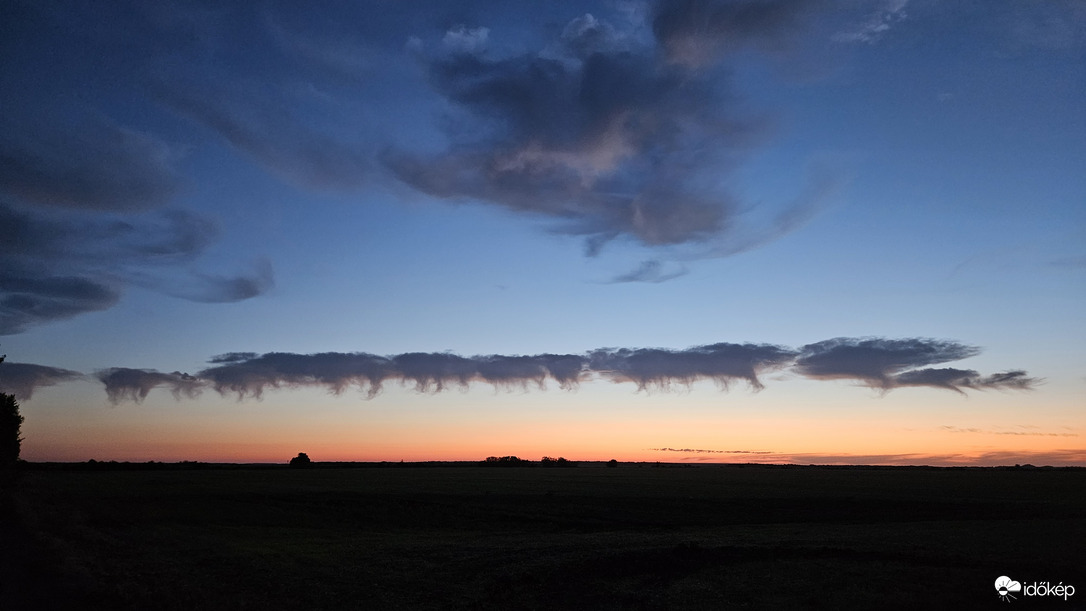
301 461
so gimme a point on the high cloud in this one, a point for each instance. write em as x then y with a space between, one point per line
22 379
883 364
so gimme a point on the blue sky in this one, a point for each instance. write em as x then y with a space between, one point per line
878 208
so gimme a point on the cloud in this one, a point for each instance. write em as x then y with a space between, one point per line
1060 457
957 429
650 271
465 40
959 379
701 451
249 375
26 301
208 288
60 265
89 164
889 363
260 120
22 379
699 32
655 368
134 385
595 132
875 24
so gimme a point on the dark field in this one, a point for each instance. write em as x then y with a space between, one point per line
587 537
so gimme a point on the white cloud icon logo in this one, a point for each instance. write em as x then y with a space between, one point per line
1005 585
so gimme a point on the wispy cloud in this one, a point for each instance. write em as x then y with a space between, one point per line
972 430
57 266
653 271
1056 458
701 451
876 24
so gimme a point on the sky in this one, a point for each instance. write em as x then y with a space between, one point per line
830 232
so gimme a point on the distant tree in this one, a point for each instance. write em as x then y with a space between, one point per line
10 423
301 460
612 463
503 461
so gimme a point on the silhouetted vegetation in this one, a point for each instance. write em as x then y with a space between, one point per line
547 461
11 440
612 463
503 461
301 461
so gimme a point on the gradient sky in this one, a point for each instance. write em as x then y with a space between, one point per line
773 231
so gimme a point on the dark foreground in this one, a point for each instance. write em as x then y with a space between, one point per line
632 537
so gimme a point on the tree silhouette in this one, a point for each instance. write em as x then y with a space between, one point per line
10 421
11 442
301 461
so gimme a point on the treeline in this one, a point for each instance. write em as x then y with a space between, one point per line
513 461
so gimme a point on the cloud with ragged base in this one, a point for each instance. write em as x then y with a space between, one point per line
880 363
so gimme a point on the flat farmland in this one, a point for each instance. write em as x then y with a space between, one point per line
466 537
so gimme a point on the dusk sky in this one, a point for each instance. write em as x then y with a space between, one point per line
751 231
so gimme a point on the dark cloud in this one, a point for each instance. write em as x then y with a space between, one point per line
206 288
123 383
960 379
881 363
595 132
699 32
249 375
26 301
654 368
22 379
92 164
56 266
232 357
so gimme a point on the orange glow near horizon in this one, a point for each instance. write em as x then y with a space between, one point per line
598 423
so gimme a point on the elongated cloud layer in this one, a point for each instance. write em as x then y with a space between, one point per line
123 383
891 363
883 364
22 379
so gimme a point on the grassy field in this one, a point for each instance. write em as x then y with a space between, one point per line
632 537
